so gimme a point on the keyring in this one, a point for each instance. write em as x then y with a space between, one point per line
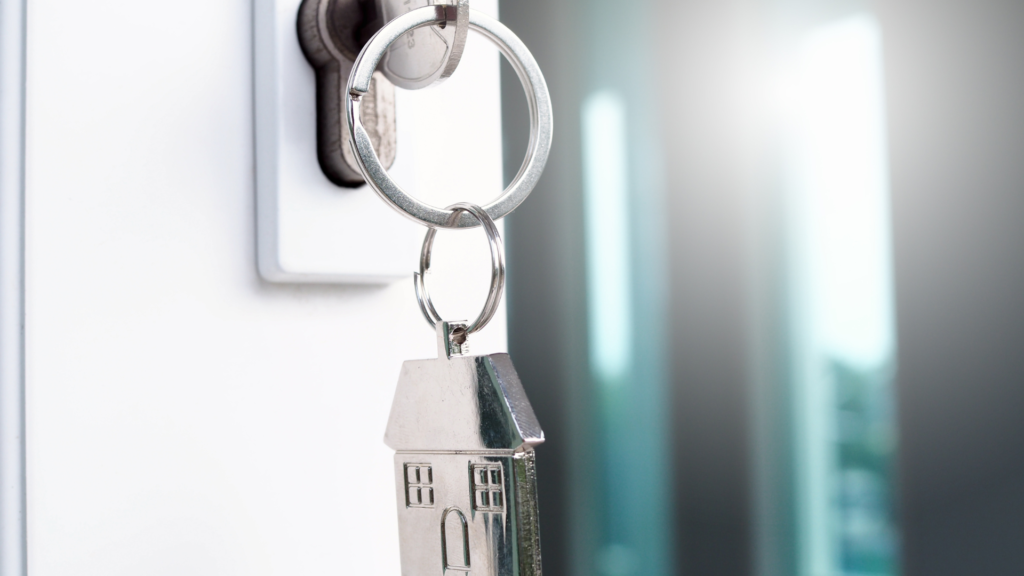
497 267
537 97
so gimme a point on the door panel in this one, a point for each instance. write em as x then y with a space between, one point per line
184 416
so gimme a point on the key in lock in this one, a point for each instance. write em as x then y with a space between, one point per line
463 432
332 32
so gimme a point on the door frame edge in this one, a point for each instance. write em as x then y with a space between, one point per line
13 506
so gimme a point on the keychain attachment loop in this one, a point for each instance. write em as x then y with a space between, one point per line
537 98
497 267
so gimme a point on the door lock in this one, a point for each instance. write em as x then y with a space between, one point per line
332 32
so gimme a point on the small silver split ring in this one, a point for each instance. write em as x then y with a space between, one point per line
497 267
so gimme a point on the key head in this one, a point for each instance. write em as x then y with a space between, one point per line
428 55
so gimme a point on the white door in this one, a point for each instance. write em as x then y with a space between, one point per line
183 415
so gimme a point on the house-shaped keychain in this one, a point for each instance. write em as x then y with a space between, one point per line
463 433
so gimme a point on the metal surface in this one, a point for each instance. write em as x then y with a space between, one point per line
538 100
452 338
465 475
331 32
497 268
13 550
425 56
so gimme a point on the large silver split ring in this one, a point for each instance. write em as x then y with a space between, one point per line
537 97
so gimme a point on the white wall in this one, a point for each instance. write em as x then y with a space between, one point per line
185 417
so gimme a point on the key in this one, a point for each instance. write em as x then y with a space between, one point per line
427 55
332 32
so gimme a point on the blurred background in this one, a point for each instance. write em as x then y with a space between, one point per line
768 299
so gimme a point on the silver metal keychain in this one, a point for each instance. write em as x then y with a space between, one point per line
461 426
463 432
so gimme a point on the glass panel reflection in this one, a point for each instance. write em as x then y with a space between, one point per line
840 301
